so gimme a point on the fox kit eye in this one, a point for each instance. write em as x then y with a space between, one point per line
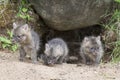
97 48
22 35
18 36
92 49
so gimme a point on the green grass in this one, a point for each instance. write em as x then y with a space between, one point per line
113 26
23 10
7 43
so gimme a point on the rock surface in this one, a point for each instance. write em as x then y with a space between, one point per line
71 14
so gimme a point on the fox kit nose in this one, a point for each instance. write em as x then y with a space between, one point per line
50 62
95 53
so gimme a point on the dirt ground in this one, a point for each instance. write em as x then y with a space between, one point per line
12 69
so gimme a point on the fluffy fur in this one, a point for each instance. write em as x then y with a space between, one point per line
28 40
91 50
56 51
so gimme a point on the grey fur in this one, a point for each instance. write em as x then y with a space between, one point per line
56 51
91 50
28 40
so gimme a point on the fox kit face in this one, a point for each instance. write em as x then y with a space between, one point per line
20 33
50 56
92 46
51 60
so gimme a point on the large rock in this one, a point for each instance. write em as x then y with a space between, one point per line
71 14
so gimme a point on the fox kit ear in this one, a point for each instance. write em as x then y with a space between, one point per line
14 25
25 27
86 39
46 45
98 38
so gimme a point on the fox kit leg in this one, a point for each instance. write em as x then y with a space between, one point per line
22 54
34 56
97 61
83 58
61 59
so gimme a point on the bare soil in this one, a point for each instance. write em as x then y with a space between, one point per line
12 69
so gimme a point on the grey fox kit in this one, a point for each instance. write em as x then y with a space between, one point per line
91 50
28 41
56 51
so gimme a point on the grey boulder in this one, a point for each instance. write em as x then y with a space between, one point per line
71 14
